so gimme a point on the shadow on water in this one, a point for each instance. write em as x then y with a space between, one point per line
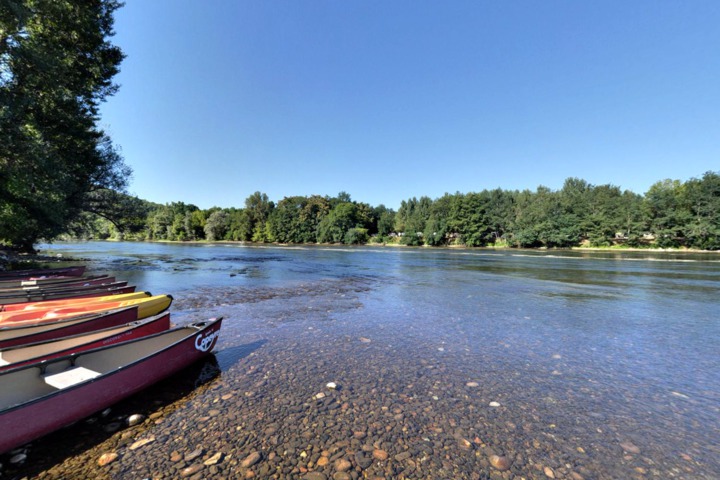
227 357
165 396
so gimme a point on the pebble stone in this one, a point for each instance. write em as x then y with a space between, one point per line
214 460
500 462
342 465
135 419
142 442
107 458
250 409
251 460
191 470
380 454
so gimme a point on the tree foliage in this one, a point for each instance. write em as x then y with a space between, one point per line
56 67
670 214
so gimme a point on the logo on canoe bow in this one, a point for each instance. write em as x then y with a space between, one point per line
204 342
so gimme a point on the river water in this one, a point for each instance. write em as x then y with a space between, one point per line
449 363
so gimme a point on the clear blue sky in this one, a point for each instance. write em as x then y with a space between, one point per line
393 99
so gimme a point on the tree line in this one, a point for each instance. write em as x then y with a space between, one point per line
671 214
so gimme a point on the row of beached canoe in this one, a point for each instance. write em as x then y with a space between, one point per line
72 345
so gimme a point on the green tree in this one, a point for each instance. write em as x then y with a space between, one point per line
56 67
258 207
217 225
385 220
334 227
667 217
701 197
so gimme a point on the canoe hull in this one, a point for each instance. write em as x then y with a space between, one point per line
22 335
31 420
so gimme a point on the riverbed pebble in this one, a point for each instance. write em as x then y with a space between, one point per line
107 458
249 411
251 460
135 419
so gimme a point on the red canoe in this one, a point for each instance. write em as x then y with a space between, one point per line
116 288
74 271
40 398
24 334
68 283
38 282
18 356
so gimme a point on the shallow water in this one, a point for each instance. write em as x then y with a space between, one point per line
597 365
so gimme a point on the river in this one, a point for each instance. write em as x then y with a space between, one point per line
449 363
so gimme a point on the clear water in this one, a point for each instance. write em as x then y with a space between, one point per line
596 350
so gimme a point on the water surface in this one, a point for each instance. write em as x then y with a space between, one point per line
597 365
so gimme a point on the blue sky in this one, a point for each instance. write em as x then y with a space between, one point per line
393 99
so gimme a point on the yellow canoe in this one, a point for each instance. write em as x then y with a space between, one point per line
147 307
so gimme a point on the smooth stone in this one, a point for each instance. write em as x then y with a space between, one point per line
315 476
380 454
189 457
342 465
135 419
630 447
362 460
403 456
322 461
251 460
175 456
342 476
494 404
142 443
465 444
549 472
214 459
107 458
365 340
332 385
191 470
500 462
472 384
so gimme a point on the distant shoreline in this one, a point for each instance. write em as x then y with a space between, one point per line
448 247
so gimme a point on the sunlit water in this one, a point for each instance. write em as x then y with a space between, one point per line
604 365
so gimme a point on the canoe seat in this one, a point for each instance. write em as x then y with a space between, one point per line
70 377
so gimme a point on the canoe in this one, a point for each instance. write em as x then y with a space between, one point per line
106 282
66 283
117 288
74 271
37 282
24 334
147 307
69 302
40 398
18 356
